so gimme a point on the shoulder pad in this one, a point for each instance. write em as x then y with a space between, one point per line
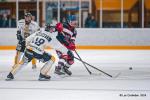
34 23
21 21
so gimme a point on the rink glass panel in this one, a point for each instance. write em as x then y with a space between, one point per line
51 11
133 15
147 14
8 9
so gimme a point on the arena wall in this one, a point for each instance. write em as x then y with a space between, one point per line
96 38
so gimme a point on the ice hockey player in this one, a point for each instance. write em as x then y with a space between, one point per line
66 35
35 48
25 28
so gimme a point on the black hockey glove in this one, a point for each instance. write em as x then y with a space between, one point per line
22 43
19 37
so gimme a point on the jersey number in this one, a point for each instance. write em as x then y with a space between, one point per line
39 41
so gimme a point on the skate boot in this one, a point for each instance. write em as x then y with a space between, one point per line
44 77
67 71
10 76
59 71
34 66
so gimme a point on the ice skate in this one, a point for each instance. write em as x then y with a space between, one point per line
34 66
10 77
59 71
67 71
44 77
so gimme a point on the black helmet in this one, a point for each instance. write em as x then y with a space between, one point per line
47 27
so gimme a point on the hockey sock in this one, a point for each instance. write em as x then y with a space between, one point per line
18 67
61 63
18 57
33 61
46 68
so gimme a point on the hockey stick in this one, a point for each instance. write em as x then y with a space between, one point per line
98 69
83 62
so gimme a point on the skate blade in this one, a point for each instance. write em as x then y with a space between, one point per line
43 79
59 73
34 68
8 79
68 74
117 75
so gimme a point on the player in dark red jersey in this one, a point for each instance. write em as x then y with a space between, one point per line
66 35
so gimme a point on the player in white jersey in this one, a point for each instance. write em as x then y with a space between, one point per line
25 28
35 48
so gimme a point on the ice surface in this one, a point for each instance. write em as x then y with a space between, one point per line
81 85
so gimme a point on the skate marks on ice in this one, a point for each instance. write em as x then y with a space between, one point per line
80 74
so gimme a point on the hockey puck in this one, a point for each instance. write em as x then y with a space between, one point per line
130 68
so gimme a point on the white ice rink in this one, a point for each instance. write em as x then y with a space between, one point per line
129 85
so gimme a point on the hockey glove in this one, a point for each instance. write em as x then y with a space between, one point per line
19 37
71 46
59 27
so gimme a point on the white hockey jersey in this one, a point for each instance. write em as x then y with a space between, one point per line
27 30
42 39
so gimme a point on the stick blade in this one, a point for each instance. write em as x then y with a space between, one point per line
117 75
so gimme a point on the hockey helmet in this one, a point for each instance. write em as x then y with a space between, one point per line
28 14
72 20
48 27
